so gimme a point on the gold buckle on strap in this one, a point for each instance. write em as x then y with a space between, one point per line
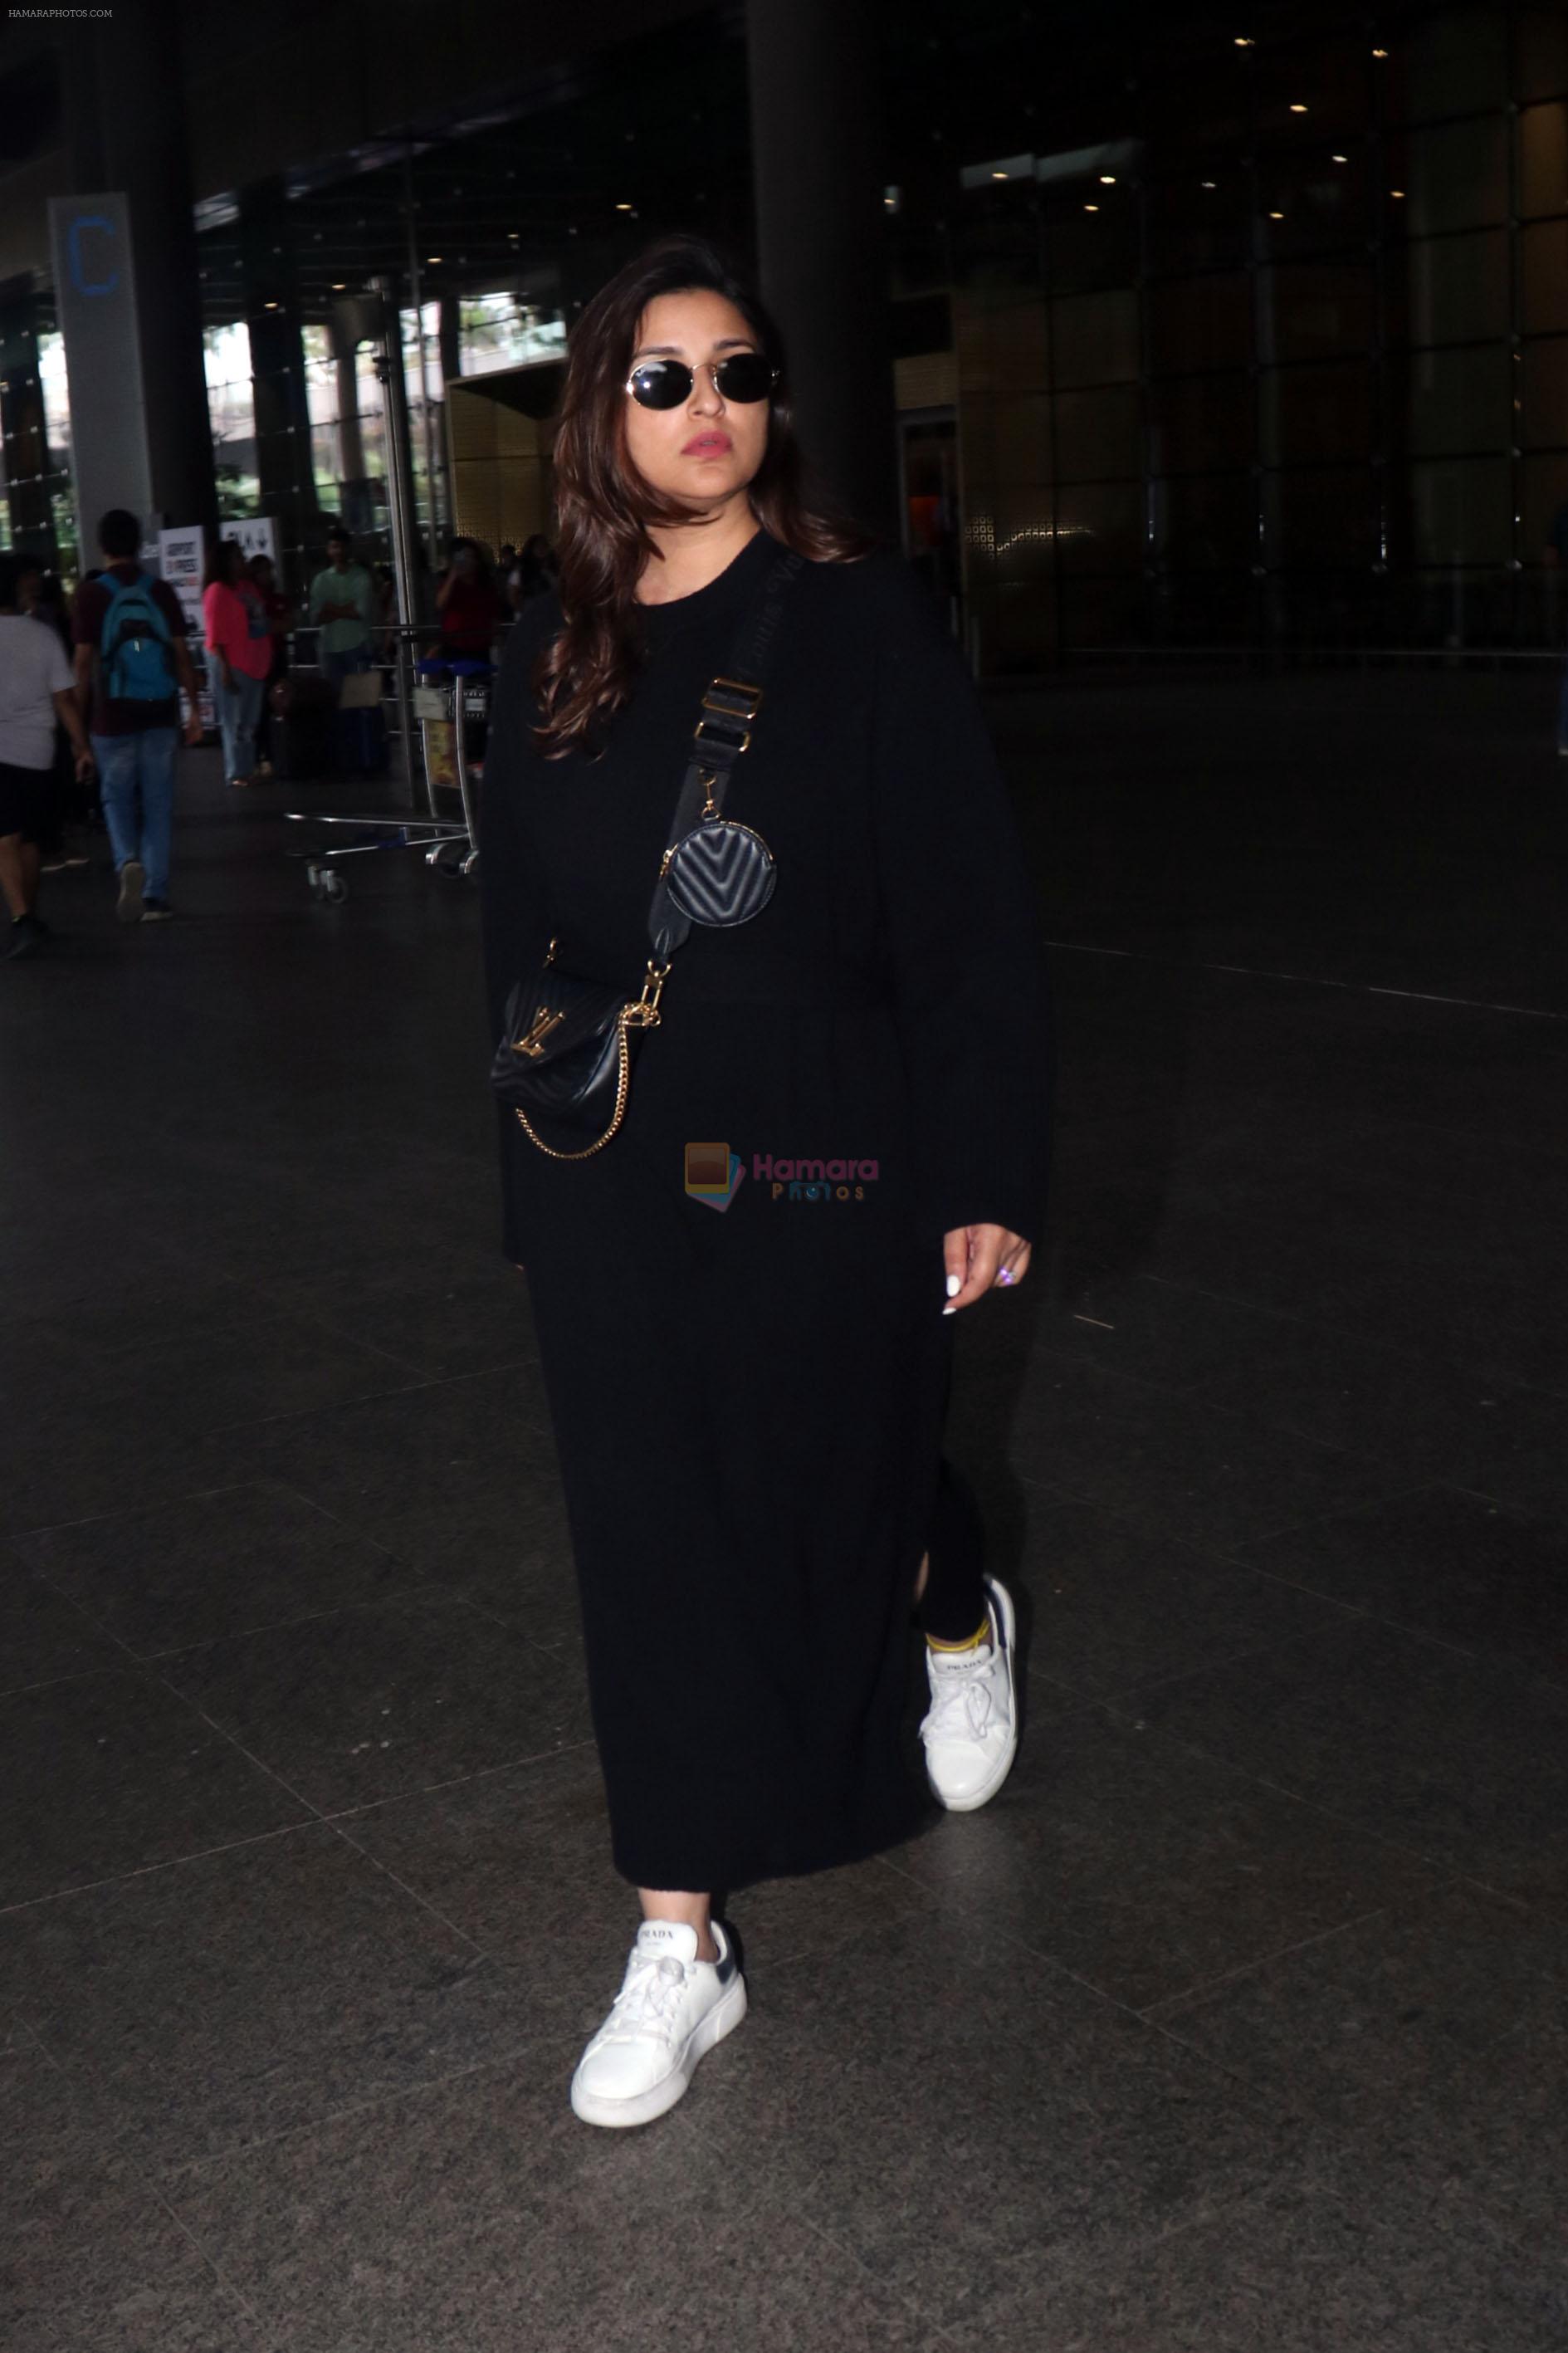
751 698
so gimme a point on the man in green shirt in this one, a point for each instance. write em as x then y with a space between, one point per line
342 599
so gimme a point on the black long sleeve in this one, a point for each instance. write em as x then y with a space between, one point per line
514 911
964 928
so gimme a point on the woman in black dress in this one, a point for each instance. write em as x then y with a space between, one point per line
748 1375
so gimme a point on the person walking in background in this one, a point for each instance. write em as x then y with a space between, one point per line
240 654
468 603
131 666
342 603
36 698
533 573
40 595
275 605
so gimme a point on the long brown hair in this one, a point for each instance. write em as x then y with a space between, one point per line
606 507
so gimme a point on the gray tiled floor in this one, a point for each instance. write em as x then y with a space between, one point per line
1240 2018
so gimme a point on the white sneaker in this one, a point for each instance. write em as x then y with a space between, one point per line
971 1729
671 2009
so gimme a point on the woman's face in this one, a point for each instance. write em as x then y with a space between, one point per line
704 452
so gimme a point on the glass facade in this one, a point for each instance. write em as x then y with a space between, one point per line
1251 339
1292 367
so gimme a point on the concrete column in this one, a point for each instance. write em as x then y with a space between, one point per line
126 114
277 375
822 239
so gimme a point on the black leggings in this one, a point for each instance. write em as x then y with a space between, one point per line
953 1606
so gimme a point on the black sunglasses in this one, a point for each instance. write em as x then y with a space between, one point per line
743 377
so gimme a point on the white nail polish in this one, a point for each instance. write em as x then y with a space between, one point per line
949 1311
955 1284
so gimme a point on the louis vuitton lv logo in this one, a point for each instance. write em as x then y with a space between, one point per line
531 1042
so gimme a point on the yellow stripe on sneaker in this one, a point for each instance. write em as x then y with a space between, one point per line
972 1643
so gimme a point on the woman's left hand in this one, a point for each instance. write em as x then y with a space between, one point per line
980 1258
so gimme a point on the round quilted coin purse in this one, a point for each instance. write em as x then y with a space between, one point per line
721 873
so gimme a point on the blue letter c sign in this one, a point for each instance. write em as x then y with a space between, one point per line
83 283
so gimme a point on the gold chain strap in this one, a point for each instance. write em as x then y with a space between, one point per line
645 1014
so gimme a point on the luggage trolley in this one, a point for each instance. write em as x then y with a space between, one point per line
458 688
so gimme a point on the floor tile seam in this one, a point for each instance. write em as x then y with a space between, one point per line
485 1608
25 2025
1247 1419
1511 1510
99 1626
1205 1549
354 1846
261 2325
1409 1484
1487 1365
1120 1693
1547 1912
1075 2262
1447 1643
349 1405
1487 1663
149 1511
936 1902
1424 998
150 1870
167 1502
413 1387
455 1781
1172 2006
172 2171
421 1586
921 1902
322 1323
1441 1866
113 1351
332 1815
237 1746
885 2290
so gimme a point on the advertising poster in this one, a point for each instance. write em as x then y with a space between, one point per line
182 554
258 535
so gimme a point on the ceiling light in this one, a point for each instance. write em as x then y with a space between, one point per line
1091 208
432 256
1210 184
623 208
1396 192
1276 216
340 286
998 175
1108 179
1243 41
271 306
1380 53
1339 159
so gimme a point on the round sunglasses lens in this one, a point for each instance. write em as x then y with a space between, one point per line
661 383
745 377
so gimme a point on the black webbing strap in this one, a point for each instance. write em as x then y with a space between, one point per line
723 731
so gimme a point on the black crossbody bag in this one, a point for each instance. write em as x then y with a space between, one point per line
565 1056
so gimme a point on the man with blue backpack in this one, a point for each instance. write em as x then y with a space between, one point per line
131 665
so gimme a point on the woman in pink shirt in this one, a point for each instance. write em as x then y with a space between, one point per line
240 654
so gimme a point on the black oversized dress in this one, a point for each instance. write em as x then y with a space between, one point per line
748 1400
